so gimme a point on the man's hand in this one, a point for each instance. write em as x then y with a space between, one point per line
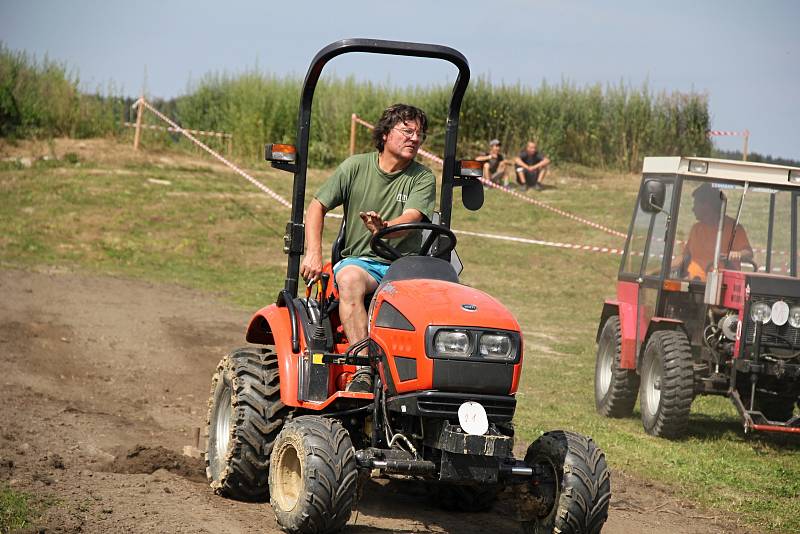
311 267
373 221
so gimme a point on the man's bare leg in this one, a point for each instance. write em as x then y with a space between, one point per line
542 174
354 284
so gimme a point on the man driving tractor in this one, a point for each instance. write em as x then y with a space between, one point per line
698 253
382 188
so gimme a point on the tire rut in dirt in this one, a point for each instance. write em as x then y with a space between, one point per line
615 389
667 384
245 416
313 477
583 483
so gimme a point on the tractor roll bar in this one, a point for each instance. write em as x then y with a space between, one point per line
373 46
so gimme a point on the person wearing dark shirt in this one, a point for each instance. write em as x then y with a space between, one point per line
494 164
531 167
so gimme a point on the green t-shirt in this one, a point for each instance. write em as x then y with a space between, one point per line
361 185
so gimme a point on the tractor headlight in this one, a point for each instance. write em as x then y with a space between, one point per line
453 344
473 344
496 346
761 312
794 316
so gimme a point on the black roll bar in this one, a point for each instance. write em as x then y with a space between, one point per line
373 46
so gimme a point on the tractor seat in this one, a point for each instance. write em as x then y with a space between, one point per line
415 267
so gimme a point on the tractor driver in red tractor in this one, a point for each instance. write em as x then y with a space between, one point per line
698 253
377 189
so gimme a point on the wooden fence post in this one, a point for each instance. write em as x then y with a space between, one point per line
138 133
746 141
352 134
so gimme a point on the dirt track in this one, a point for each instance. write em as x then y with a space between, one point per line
103 381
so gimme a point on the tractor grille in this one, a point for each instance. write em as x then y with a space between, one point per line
444 405
771 334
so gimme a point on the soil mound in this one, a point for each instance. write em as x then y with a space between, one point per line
148 460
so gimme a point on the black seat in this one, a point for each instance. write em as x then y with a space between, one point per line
416 267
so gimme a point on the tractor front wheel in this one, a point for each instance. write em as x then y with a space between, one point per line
244 418
571 489
667 384
312 476
615 388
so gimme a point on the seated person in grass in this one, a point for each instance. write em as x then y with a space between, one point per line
494 164
377 189
531 167
698 252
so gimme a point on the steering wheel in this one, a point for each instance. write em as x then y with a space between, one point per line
383 249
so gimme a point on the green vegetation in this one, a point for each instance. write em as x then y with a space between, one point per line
41 99
15 510
609 127
191 225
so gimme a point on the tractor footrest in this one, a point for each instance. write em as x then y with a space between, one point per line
342 359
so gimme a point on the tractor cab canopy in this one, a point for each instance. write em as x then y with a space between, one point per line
686 205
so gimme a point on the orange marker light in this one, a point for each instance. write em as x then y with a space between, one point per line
471 168
280 152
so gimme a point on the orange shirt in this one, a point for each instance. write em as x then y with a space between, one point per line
700 246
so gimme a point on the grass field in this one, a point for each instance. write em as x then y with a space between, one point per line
166 217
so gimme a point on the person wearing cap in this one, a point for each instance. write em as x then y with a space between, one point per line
531 167
494 164
698 252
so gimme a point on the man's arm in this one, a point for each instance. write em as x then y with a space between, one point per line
483 157
374 222
542 164
311 266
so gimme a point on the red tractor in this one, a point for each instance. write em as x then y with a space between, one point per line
447 357
708 297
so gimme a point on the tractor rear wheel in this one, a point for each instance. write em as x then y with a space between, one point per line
573 487
615 389
312 476
244 418
667 384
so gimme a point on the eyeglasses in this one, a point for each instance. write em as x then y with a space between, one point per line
408 133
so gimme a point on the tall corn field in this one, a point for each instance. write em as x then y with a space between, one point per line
611 126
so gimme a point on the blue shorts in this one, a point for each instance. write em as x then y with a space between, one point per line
376 269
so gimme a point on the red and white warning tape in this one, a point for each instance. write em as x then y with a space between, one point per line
546 206
728 133
171 129
588 248
193 139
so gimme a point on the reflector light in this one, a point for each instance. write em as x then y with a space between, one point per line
471 168
698 167
675 285
280 152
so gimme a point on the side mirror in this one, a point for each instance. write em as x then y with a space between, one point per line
472 194
653 196
470 172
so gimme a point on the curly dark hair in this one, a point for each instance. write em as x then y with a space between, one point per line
397 113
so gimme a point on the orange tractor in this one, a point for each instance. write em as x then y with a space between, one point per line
447 357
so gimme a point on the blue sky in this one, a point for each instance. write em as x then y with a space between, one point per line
745 55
